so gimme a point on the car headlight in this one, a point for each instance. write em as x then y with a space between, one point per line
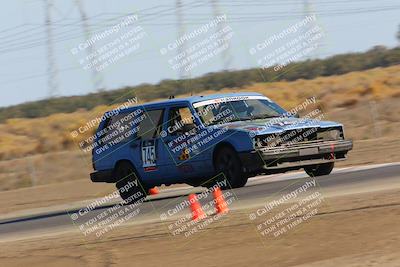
335 134
270 140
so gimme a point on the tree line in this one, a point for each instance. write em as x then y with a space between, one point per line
378 56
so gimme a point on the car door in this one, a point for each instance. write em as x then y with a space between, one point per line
135 136
153 163
179 135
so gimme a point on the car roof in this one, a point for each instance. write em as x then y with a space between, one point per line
190 99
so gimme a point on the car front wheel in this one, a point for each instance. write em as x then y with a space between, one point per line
228 163
319 169
129 186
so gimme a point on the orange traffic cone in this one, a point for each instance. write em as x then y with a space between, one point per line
197 211
220 203
154 191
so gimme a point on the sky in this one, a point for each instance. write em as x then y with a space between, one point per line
30 72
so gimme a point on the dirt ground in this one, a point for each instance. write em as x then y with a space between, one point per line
375 151
353 230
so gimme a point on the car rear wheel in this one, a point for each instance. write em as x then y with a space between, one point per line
129 186
228 162
319 169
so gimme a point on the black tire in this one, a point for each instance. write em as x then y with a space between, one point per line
194 184
319 169
126 185
228 162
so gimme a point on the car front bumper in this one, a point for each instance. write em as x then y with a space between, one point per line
295 155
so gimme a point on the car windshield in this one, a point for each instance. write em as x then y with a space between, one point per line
237 110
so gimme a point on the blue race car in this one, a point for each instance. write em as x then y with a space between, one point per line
200 140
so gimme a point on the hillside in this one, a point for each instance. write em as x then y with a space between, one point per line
336 65
42 151
349 91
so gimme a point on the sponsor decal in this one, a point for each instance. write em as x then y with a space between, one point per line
228 99
185 155
150 169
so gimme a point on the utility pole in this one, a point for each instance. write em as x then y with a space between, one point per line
97 79
308 11
226 56
52 70
181 50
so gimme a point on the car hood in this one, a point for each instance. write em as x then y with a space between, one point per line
277 125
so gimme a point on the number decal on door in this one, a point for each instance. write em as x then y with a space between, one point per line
149 155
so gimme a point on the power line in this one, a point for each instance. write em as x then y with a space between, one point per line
181 50
77 24
18 45
51 67
225 55
221 2
241 18
97 79
308 11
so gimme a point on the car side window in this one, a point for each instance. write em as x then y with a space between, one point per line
180 120
150 126
118 129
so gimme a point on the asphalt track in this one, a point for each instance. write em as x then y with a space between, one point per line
256 192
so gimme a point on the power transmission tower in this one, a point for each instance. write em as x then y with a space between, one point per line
226 56
306 8
181 50
52 70
308 11
97 79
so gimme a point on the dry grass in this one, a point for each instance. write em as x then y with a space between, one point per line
365 102
347 91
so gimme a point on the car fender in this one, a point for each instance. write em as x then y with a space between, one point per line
239 140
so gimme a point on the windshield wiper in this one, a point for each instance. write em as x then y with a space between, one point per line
231 120
263 117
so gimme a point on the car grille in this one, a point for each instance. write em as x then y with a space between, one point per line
290 137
